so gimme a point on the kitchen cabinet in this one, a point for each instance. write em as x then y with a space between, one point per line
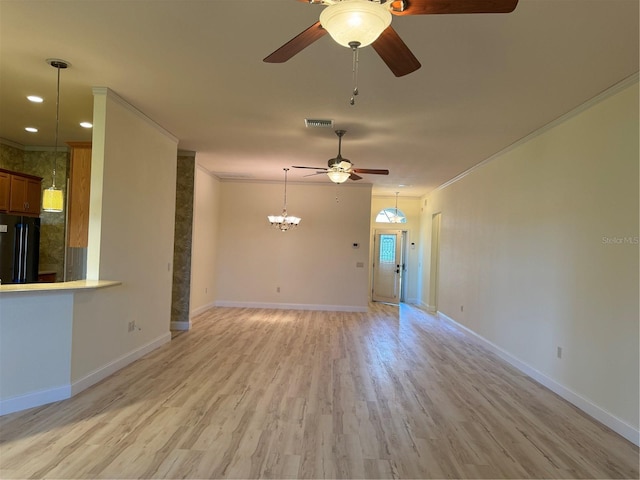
5 183
23 193
79 191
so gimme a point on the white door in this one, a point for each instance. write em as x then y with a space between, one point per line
387 266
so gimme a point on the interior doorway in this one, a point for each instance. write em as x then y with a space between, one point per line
388 266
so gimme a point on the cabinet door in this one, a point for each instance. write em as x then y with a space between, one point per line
4 191
33 196
79 194
18 197
24 197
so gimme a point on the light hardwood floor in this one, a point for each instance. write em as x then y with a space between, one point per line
257 393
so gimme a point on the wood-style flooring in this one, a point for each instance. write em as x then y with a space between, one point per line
253 393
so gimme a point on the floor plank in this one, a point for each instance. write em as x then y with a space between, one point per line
252 393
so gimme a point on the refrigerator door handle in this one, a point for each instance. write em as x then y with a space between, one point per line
20 258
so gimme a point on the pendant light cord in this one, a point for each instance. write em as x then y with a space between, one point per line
55 151
285 189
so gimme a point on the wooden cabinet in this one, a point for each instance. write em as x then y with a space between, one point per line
79 190
5 184
20 193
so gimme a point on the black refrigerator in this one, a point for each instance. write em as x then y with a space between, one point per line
19 249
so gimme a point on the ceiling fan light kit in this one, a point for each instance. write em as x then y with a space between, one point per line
375 28
352 21
340 169
338 176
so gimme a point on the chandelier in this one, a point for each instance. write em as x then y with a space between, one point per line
284 222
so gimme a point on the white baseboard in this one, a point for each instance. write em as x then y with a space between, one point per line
115 365
180 325
202 309
604 417
34 399
428 308
292 306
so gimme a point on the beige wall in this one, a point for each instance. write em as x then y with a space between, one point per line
133 187
205 240
539 250
315 266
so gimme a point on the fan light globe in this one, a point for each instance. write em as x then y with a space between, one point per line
359 21
338 176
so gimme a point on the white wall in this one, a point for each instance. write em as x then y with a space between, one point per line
133 182
540 247
204 241
315 266
35 348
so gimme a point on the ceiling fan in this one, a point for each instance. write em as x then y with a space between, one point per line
358 23
340 169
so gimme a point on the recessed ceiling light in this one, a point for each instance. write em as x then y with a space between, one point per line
35 99
31 129
86 124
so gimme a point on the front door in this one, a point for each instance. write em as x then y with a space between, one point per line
387 266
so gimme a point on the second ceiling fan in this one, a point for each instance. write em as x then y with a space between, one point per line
358 23
340 169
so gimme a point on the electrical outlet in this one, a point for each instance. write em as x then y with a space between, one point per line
559 352
278 289
132 326
462 308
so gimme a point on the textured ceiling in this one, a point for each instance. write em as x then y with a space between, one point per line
195 67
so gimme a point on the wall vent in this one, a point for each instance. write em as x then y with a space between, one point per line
318 123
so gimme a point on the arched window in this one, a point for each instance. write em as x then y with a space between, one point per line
390 215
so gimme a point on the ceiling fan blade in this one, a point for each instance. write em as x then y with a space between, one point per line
314 174
311 168
371 171
432 7
296 44
395 53
353 176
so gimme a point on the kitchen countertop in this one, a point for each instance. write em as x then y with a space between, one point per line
57 286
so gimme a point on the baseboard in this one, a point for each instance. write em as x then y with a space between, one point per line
180 325
121 362
202 309
597 413
34 399
292 306
428 308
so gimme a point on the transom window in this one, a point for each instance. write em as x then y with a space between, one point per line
391 215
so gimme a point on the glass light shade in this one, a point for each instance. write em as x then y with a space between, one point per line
283 222
52 200
338 176
355 21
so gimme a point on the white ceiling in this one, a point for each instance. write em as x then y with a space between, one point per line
195 67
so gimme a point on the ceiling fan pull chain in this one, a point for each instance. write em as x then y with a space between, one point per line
354 47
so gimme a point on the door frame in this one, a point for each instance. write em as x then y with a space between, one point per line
402 243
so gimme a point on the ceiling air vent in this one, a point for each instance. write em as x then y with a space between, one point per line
318 123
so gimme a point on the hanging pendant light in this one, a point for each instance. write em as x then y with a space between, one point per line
52 197
284 221
397 218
